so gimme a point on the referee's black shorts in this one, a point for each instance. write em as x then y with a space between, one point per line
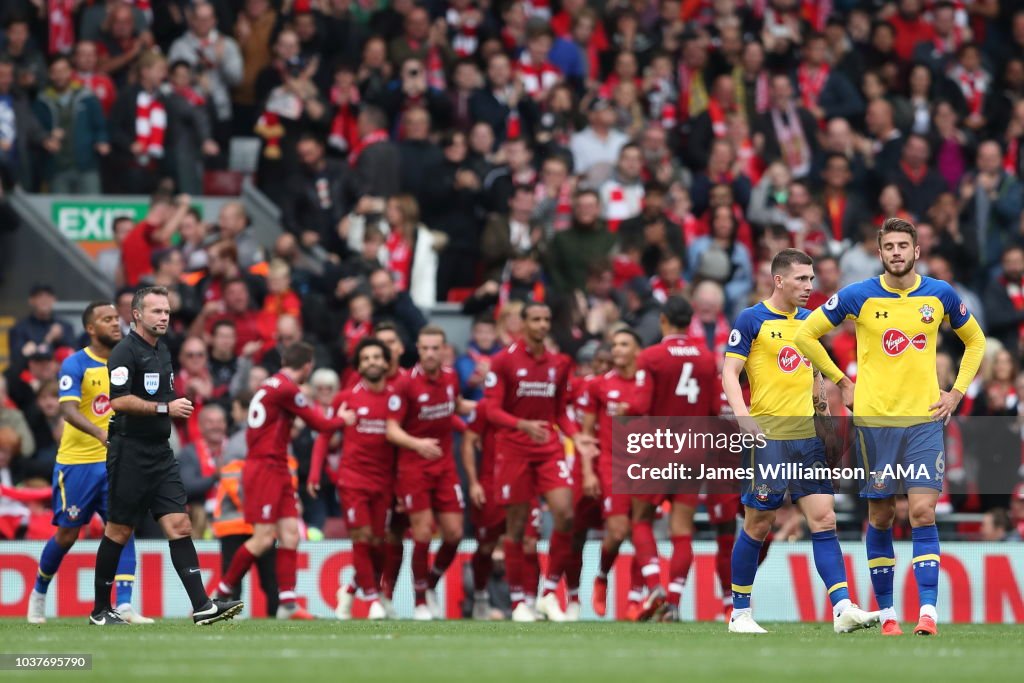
143 477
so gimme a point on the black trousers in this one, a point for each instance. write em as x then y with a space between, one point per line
229 545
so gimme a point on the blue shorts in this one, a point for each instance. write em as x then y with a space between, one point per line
78 492
899 458
771 480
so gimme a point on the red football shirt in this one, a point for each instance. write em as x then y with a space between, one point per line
522 386
424 408
681 376
137 252
367 458
609 396
272 411
482 427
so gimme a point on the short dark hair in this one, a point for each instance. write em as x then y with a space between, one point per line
485 318
161 256
532 304
367 342
58 58
678 312
143 292
219 324
632 333
386 326
787 258
896 224
89 313
375 115
433 330
296 355
824 258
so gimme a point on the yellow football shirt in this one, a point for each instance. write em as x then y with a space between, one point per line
84 379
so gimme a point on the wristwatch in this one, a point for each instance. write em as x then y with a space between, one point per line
162 409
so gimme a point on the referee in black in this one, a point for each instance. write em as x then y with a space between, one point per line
142 472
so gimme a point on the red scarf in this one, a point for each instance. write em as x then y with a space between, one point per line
973 86
150 125
191 96
625 269
811 84
696 332
435 69
693 92
399 258
836 207
1015 292
563 206
465 24
1012 156
717 114
662 290
62 27
367 140
950 45
355 332
753 165
344 134
207 462
915 177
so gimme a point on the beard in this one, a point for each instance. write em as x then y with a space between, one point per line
107 340
907 267
374 375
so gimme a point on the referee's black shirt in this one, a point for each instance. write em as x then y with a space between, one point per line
140 369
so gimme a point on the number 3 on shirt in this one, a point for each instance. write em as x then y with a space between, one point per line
687 385
258 412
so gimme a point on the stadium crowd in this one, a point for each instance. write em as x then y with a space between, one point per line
599 156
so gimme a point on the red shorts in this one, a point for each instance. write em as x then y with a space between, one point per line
364 508
587 514
520 479
267 492
489 519
420 488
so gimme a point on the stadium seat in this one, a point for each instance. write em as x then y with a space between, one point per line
457 295
223 183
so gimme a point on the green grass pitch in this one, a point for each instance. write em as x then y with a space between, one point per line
452 652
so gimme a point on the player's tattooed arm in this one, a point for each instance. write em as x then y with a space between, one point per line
820 394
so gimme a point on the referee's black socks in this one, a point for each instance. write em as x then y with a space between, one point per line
107 557
186 563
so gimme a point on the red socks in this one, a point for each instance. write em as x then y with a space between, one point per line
421 570
679 566
647 554
286 564
393 554
559 558
723 562
514 570
608 558
483 567
443 560
240 564
362 560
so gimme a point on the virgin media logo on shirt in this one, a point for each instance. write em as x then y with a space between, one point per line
895 342
790 359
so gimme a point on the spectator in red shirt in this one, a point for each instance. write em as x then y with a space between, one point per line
152 233
235 307
85 60
911 28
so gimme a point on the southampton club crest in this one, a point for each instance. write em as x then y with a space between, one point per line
73 512
926 312
762 492
878 481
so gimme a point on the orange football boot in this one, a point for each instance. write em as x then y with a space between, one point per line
926 627
891 627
